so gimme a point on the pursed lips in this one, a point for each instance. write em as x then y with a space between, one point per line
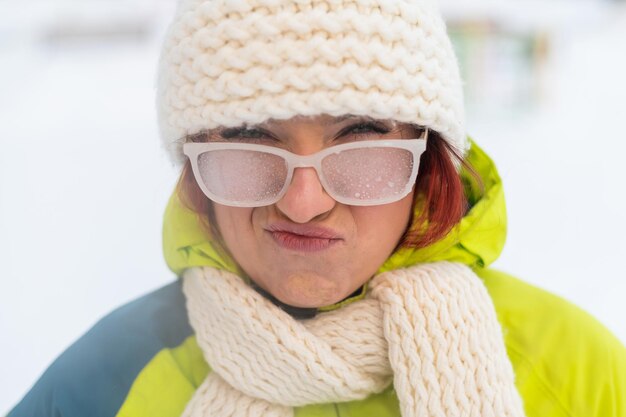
303 238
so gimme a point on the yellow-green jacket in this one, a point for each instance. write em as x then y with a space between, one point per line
142 359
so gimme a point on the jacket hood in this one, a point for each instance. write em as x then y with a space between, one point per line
476 240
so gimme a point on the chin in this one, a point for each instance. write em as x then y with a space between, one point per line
309 290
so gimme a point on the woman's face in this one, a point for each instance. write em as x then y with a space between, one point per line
308 250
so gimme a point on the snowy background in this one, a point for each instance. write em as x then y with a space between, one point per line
83 182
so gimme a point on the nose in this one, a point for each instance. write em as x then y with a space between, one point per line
305 198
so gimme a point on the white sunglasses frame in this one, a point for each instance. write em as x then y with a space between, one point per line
417 147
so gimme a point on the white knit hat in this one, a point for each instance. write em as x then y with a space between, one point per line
233 62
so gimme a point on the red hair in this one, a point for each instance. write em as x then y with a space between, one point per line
439 194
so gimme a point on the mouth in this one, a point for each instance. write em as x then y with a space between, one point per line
303 238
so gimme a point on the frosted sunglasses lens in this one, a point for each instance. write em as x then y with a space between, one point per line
368 174
242 176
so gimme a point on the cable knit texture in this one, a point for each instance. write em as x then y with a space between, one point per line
430 329
233 62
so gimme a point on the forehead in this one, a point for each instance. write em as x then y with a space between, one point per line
323 120
318 118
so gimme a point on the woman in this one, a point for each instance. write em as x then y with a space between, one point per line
332 229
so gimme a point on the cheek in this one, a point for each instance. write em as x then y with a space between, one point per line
383 226
234 225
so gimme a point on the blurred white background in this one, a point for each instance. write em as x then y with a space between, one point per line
83 182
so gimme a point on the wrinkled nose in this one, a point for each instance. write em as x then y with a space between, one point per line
305 198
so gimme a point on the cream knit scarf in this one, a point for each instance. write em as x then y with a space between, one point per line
430 329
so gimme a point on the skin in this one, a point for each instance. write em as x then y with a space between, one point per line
369 234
